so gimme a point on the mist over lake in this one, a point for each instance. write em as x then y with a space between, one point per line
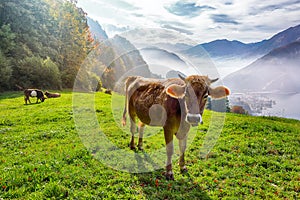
268 104
287 105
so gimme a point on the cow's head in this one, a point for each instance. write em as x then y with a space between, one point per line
194 94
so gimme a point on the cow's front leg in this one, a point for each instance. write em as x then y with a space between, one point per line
182 148
170 151
141 133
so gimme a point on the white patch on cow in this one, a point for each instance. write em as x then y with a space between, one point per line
33 93
158 115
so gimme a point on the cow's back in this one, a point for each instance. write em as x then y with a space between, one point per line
149 102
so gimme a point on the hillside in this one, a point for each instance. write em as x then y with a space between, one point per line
43 155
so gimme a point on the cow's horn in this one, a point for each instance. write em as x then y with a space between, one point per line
182 76
214 80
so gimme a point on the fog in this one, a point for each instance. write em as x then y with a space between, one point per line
286 105
161 62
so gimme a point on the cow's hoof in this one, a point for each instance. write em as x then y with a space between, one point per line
170 176
184 170
131 147
141 148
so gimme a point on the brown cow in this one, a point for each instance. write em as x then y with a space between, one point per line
173 103
33 93
52 95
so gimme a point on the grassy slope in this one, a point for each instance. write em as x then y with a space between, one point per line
42 156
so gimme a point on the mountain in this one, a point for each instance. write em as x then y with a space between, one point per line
115 59
278 71
96 30
161 61
220 48
283 38
120 59
225 48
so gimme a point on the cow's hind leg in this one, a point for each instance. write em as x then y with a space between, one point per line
182 148
141 133
26 98
132 130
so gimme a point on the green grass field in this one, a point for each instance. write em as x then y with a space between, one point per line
66 149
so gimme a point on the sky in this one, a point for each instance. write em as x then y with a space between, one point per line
199 20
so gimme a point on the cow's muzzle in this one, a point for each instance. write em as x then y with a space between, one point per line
194 119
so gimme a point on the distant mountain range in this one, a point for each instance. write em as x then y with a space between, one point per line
226 48
275 66
220 48
276 61
276 72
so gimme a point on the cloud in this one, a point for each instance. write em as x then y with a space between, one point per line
181 30
282 5
176 26
228 3
122 5
187 9
247 21
222 18
112 30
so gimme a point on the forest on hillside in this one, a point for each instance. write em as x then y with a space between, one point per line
42 43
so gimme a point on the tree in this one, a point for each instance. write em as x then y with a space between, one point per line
7 37
75 41
50 75
37 72
219 105
5 72
208 103
45 38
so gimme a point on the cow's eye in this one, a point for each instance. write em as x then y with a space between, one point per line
205 96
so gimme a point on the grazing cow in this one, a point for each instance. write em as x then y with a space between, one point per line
174 104
52 95
33 93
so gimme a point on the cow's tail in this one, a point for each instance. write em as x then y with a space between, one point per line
126 102
125 107
128 81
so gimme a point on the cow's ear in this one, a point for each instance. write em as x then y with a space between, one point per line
176 91
218 92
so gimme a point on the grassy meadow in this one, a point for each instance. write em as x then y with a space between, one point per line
71 148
